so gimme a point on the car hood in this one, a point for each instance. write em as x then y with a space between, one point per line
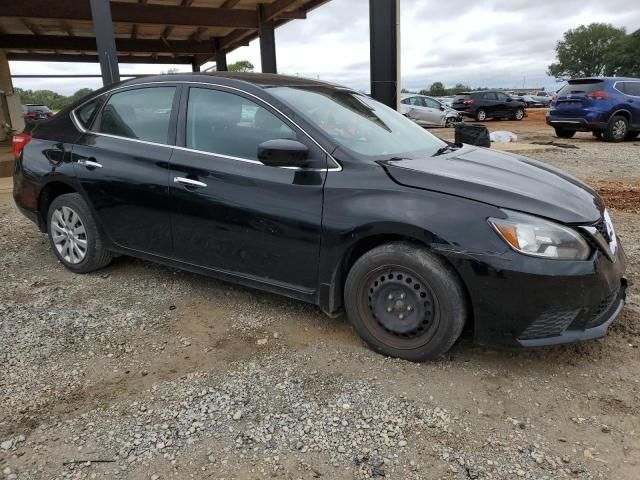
501 179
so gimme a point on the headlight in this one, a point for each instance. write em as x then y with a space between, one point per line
534 236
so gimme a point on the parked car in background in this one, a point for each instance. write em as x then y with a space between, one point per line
428 111
540 99
322 194
446 101
489 104
32 111
608 107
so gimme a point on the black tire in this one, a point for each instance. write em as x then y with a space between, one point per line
617 129
450 122
632 135
433 302
481 115
96 256
518 114
565 133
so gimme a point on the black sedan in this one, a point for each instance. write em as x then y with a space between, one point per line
322 194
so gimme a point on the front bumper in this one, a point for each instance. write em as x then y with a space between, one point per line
521 301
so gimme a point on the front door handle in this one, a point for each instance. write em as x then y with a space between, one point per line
89 163
189 182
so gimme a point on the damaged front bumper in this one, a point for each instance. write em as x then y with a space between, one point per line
521 301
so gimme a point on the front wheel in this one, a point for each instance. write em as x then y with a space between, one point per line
481 115
451 122
405 302
565 133
74 235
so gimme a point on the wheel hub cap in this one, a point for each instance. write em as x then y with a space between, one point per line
401 304
69 235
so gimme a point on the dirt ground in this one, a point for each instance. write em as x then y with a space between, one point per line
145 372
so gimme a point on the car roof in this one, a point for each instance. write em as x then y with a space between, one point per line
602 79
261 80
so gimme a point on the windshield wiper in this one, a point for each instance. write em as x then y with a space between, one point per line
447 148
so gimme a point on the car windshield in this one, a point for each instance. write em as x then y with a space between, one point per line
358 122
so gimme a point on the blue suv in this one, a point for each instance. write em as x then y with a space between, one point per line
608 107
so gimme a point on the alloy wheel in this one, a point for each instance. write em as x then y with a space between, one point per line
519 114
69 235
620 129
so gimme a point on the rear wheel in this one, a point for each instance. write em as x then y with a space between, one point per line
405 302
617 129
518 114
565 133
481 115
74 235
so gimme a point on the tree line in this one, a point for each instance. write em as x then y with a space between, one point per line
55 101
596 50
437 89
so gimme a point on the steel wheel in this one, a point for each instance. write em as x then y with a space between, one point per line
402 310
69 235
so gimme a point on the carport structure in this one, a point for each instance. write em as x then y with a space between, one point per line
155 31
189 32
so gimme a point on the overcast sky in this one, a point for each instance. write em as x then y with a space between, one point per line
492 43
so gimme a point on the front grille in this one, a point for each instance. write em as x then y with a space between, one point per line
602 228
549 324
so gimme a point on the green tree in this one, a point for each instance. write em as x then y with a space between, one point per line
625 56
459 88
437 89
241 66
585 51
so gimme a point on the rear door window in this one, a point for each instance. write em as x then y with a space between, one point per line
141 114
87 112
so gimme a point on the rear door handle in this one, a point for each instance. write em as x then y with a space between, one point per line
189 182
89 163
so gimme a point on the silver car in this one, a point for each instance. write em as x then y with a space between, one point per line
428 111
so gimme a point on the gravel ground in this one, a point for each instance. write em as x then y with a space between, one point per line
145 372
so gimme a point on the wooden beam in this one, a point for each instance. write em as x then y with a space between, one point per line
51 57
62 42
133 13
271 11
230 3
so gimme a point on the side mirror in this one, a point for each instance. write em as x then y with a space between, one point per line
442 108
282 153
509 99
